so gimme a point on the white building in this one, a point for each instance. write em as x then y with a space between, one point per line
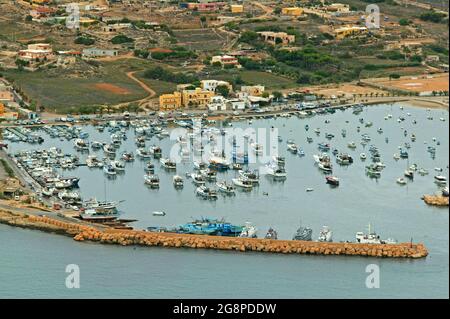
217 103
211 85
236 104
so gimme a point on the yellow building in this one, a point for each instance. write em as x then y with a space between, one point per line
2 109
40 1
344 32
198 98
294 11
170 101
237 8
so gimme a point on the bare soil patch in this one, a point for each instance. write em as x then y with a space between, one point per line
112 88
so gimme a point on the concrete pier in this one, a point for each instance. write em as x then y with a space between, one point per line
132 237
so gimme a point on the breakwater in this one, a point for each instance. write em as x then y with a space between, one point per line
435 200
81 232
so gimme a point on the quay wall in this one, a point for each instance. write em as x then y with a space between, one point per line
132 237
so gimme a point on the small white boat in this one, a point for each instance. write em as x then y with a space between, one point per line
363 156
198 179
249 231
168 163
109 170
440 179
118 165
401 181
276 171
225 188
243 183
152 181
178 181
143 153
159 214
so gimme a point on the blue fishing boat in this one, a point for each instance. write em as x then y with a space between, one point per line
324 147
210 226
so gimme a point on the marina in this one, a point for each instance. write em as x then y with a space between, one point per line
282 172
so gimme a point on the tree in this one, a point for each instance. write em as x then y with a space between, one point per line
277 10
277 95
119 39
203 21
403 22
84 40
394 76
223 90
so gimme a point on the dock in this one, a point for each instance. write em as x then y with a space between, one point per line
124 237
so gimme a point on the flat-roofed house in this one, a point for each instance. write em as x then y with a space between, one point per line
96 52
277 37
36 51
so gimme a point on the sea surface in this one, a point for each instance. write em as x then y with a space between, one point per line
33 264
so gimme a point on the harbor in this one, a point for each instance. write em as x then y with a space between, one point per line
327 153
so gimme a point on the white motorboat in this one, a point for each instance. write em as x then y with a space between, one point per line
372 238
363 156
325 235
249 231
152 181
143 153
198 179
251 176
159 213
243 183
276 171
225 188
401 181
178 181
81 145
209 174
206 193
119 165
109 170
168 163
292 147
109 149
440 179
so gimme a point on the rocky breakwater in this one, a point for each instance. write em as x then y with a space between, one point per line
435 200
141 238
42 223
81 232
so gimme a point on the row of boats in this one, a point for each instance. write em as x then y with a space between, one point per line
220 227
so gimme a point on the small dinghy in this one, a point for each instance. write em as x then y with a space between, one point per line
159 214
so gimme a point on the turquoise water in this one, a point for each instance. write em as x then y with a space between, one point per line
36 265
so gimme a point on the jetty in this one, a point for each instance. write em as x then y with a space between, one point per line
435 200
83 232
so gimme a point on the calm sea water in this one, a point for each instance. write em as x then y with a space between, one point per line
35 267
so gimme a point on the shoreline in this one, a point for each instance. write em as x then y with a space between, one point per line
52 118
141 238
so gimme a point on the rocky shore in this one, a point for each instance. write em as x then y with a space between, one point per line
435 200
81 233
